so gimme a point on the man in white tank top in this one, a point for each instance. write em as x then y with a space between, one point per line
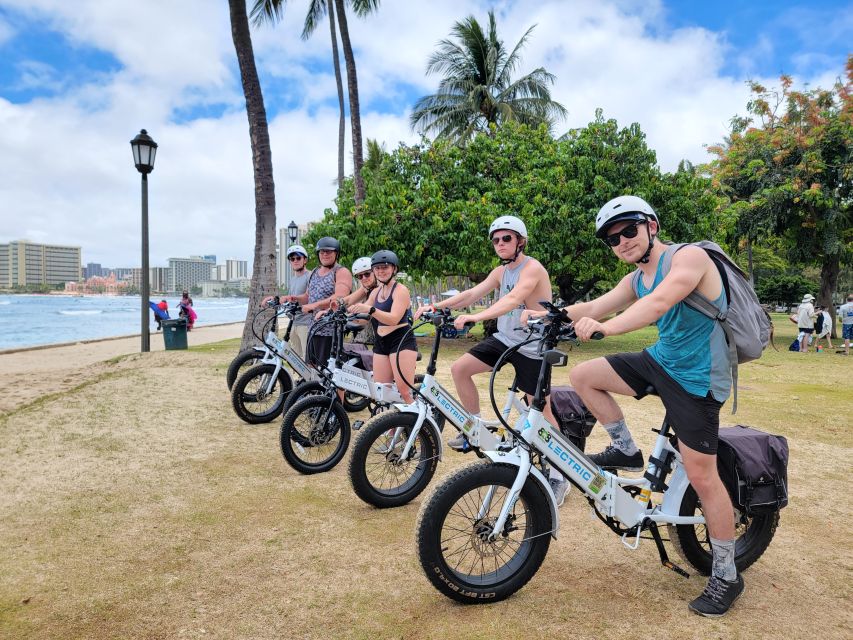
522 282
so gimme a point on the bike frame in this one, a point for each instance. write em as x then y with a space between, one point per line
278 352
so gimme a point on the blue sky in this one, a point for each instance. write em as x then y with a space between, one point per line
78 80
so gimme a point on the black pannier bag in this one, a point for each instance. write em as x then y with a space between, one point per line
575 420
754 467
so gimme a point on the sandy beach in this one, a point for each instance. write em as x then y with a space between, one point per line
28 374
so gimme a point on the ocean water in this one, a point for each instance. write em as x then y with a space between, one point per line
30 320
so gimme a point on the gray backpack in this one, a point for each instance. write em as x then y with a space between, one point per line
745 323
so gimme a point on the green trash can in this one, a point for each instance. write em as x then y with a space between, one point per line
175 333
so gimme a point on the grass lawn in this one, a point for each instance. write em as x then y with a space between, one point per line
140 506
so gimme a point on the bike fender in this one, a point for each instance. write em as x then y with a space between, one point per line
513 458
429 423
678 484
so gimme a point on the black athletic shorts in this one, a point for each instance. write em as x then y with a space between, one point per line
319 349
526 369
695 420
807 331
397 340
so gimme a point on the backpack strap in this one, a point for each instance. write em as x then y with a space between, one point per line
700 303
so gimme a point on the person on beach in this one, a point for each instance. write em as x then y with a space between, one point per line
186 310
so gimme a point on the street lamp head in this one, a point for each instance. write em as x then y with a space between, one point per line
292 231
144 151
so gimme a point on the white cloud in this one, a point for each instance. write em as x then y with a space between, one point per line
66 174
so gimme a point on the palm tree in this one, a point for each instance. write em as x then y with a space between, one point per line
273 10
477 89
263 272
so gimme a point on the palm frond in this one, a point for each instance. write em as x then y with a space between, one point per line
267 12
317 10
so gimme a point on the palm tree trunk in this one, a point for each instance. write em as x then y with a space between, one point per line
355 116
342 121
263 272
829 271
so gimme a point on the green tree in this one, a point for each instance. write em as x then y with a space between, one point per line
477 92
795 152
432 202
786 289
263 273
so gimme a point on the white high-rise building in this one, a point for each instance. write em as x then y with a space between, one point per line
185 273
28 263
236 269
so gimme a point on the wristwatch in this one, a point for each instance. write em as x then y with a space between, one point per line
372 311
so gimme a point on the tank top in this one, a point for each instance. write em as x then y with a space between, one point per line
508 322
692 347
386 305
319 288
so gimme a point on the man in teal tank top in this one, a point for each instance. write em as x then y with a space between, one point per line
688 368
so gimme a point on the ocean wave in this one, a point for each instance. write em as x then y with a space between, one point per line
90 312
5 302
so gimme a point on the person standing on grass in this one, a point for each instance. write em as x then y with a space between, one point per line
845 317
823 326
689 368
805 321
298 258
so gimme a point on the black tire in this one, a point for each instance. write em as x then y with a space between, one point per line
354 402
244 361
251 403
302 390
752 536
309 442
378 475
449 533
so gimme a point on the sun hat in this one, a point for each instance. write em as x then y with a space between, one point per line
808 297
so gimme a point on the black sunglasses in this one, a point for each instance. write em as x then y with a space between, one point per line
295 257
362 276
630 231
504 239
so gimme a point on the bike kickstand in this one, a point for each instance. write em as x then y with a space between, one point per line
664 557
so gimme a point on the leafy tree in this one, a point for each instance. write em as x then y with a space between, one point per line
801 143
786 289
433 202
477 92
264 270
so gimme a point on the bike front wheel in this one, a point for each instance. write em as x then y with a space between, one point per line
693 542
244 361
257 397
378 472
454 534
315 434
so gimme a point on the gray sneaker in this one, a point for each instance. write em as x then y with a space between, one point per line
560 488
718 597
459 443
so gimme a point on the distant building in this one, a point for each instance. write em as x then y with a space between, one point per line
159 279
221 273
210 259
93 269
25 263
185 273
236 269
122 273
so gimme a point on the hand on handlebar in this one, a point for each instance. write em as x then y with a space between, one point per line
423 309
358 307
531 314
460 321
589 329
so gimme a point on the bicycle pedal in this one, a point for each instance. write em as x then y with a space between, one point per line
358 424
671 565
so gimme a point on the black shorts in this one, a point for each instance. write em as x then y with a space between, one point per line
319 349
806 330
526 369
695 420
397 340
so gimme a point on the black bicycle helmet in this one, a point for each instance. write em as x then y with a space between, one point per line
384 257
328 244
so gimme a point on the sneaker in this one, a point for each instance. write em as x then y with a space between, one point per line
560 488
613 458
459 443
718 597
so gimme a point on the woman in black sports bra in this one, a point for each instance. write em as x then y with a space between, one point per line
389 306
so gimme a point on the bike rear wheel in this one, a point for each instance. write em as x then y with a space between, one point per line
249 396
315 434
453 528
693 542
378 474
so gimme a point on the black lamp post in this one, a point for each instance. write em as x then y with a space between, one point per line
292 231
144 151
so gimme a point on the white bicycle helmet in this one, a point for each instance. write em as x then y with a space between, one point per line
297 249
623 208
508 223
361 265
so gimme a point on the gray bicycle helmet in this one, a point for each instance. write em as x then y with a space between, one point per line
384 257
328 244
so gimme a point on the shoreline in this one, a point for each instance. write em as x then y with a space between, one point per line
71 343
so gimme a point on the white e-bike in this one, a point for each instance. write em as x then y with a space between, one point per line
485 531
